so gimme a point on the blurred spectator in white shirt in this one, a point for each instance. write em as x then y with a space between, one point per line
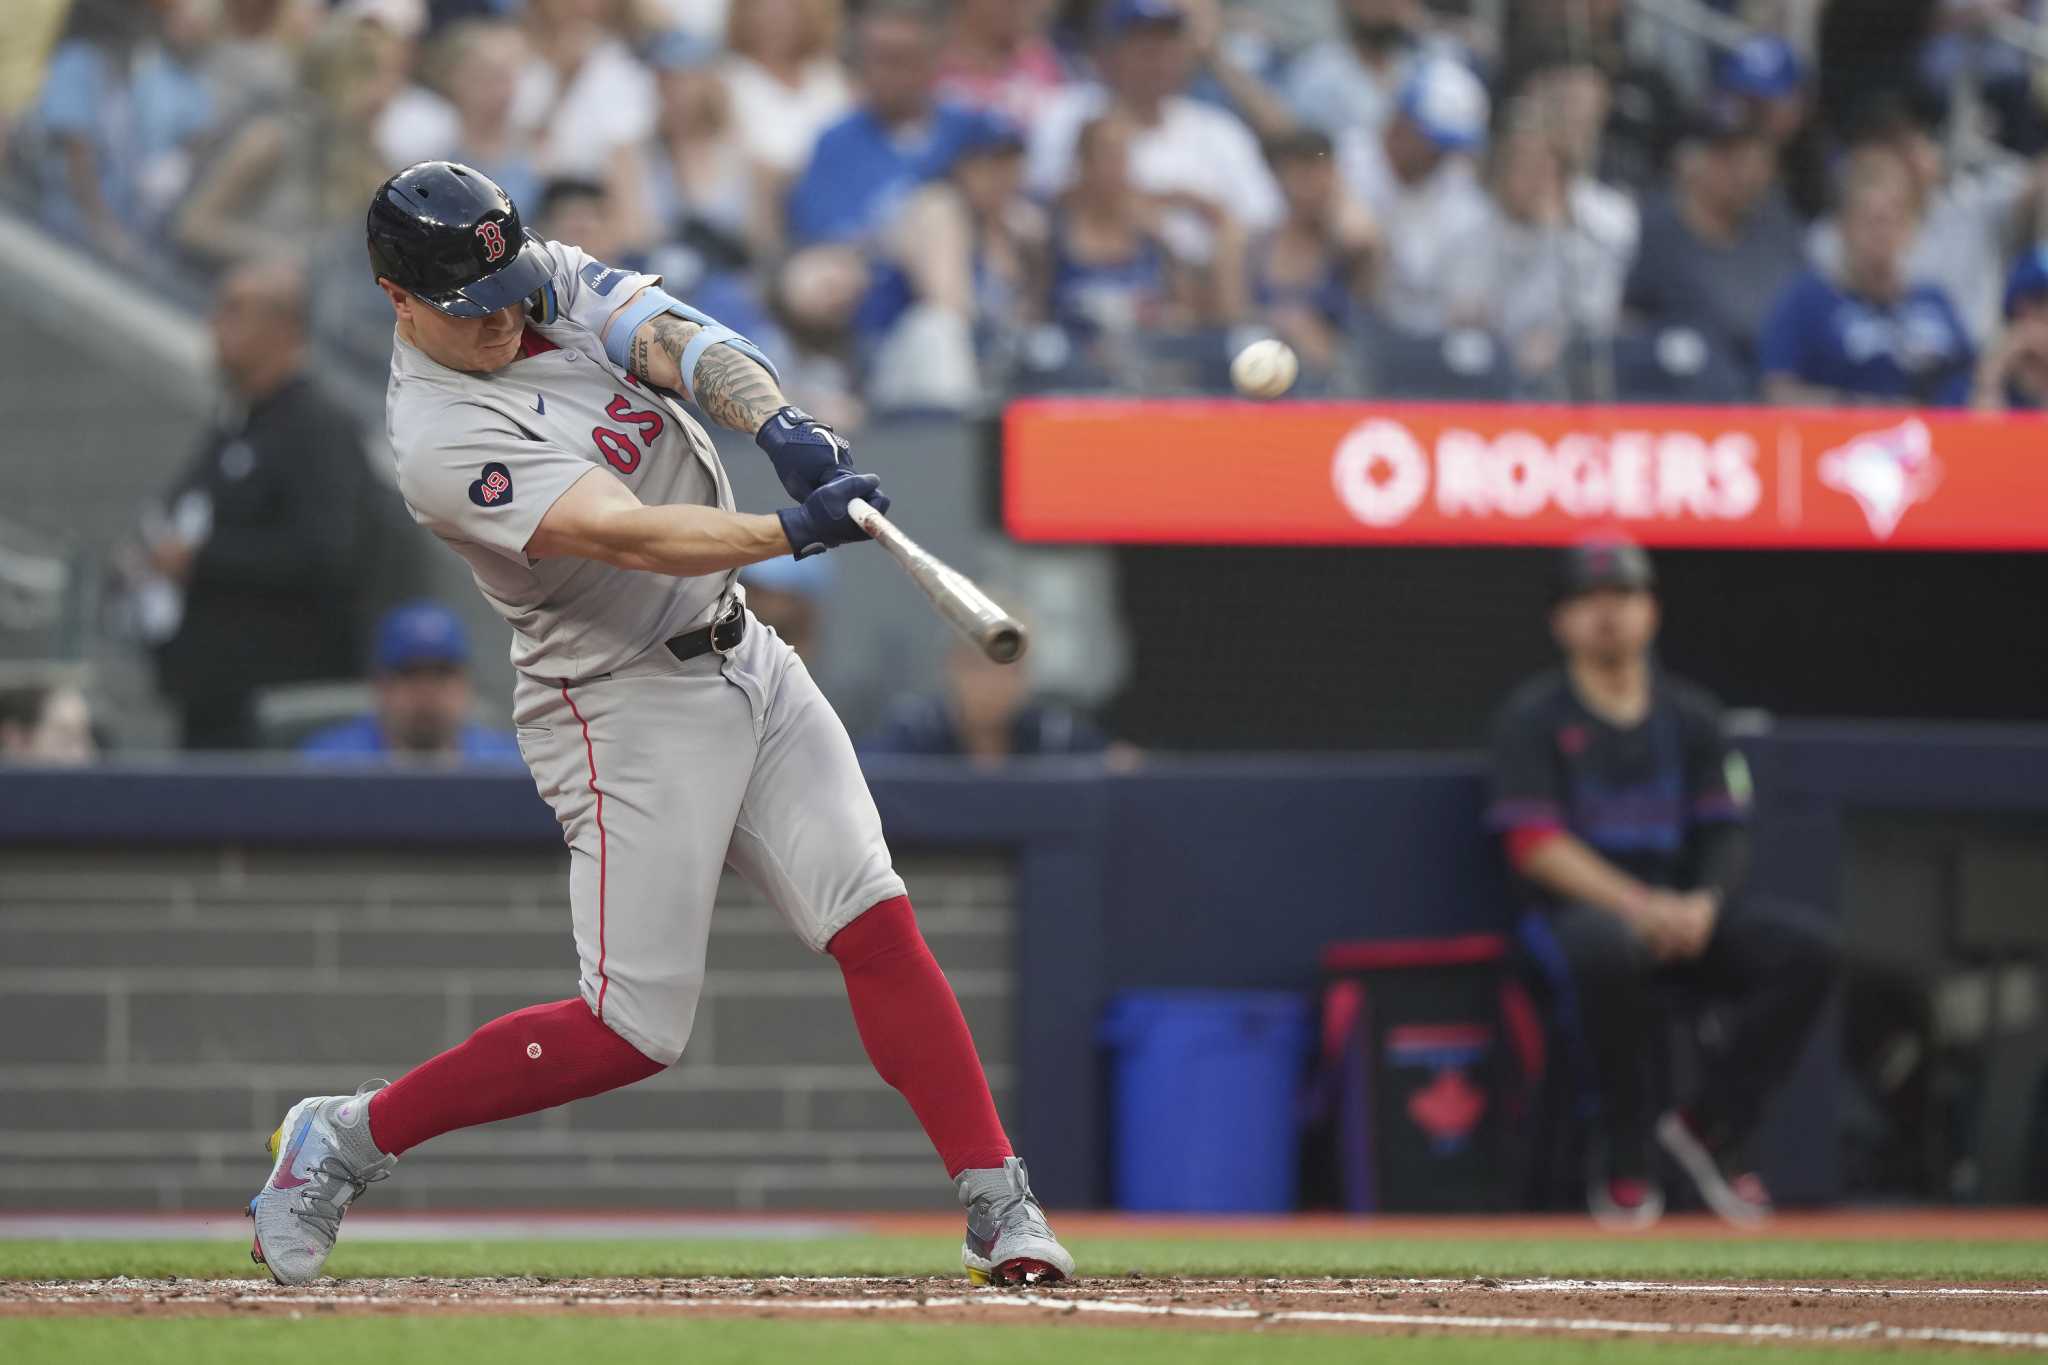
1350 81
699 189
583 98
480 62
784 78
1416 177
1573 99
1973 219
1179 146
1309 276
963 277
702 19
419 124
1529 273
253 62
998 58
292 177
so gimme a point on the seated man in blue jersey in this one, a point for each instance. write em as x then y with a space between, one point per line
1872 334
424 698
1623 810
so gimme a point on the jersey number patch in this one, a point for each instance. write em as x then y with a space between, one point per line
617 446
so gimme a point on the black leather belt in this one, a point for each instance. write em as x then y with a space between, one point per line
722 636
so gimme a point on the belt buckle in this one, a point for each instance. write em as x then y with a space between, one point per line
728 629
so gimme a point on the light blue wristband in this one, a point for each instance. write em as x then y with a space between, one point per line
654 300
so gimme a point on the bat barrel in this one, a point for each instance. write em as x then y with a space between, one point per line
999 635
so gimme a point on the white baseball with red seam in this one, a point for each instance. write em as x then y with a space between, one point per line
1265 369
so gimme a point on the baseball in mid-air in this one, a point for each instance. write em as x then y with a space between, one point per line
1265 369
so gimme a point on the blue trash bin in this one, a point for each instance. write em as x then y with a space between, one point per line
1206 1099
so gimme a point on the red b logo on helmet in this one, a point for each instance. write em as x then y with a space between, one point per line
494 240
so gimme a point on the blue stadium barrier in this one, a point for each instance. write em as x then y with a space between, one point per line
1222 874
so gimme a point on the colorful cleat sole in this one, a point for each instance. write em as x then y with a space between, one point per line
1026 1271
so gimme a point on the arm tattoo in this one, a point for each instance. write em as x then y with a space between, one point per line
735 391
731 389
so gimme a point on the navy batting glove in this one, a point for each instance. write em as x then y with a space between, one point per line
806 453
821 521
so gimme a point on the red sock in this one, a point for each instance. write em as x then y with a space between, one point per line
911 1025
535 1058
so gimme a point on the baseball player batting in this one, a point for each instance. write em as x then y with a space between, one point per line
672 733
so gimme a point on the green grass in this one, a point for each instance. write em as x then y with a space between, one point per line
1632 1258
631 1341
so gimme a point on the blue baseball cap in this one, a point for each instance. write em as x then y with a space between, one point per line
678 49
987 134
1764 67
1447 103
1124 15
420 633
810 578
2028 280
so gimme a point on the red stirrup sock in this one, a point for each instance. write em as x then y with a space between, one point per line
535 1058
911 1025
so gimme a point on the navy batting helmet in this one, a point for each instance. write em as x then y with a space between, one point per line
447 234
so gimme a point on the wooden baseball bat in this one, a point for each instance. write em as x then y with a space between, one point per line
1000 635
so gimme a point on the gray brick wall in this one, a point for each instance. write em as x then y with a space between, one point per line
159 1011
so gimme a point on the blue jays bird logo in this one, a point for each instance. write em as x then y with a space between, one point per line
1886 472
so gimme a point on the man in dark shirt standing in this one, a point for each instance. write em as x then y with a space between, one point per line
263 526
1623 809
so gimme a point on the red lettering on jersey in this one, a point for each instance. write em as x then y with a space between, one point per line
494 239
618 449
649 422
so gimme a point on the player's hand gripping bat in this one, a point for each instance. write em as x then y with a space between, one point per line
1000 635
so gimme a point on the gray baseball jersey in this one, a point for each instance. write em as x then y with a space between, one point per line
481 458
660 772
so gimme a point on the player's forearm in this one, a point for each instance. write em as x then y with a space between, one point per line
599 521
731 389
685 541
1566 867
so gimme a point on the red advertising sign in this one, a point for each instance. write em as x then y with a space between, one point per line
1227 472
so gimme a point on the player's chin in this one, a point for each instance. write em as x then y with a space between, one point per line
496 356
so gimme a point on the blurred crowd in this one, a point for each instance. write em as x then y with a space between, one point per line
930 205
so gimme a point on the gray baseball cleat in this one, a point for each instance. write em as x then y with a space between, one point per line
1008 1241
324 1161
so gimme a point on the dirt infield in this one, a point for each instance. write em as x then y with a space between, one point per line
1959 1316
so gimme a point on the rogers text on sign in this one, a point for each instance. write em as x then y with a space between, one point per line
1382 473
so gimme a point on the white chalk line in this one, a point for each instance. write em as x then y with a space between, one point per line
1353 1288
1869 1331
